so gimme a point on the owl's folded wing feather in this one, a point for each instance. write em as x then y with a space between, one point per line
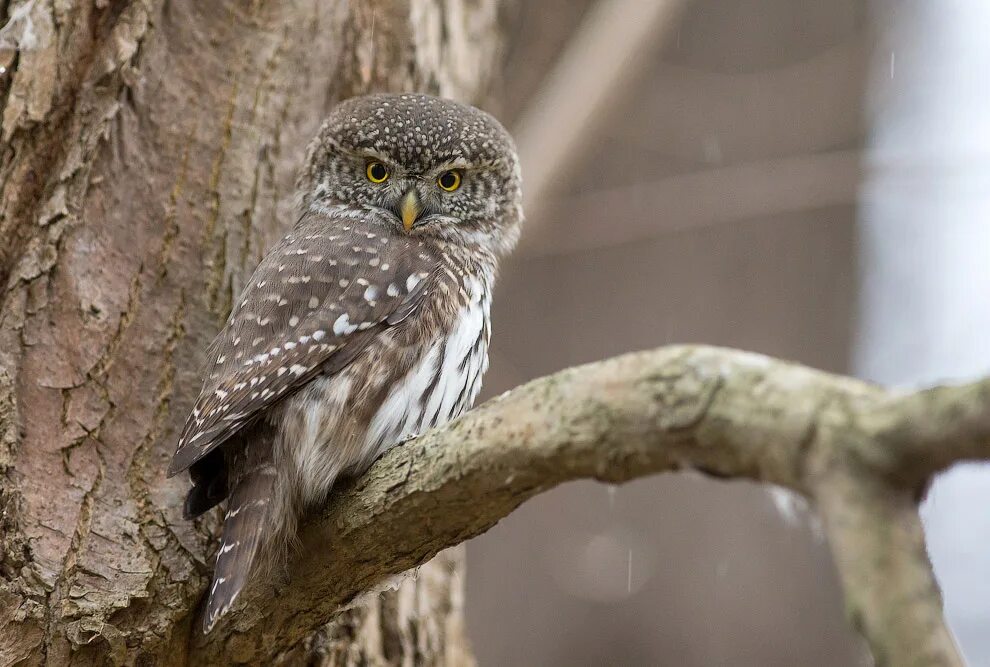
316 298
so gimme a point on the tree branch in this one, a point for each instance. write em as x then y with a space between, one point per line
862 455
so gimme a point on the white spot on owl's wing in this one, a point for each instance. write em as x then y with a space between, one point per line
342 326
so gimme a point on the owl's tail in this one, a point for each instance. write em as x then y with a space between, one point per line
246 521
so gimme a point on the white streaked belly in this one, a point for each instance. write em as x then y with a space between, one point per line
461 362
439 387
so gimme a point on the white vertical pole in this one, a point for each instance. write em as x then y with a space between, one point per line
924 311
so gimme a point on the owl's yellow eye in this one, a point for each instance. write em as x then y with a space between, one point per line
377 172
450 180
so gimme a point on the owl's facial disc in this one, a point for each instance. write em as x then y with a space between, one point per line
420 200
428 166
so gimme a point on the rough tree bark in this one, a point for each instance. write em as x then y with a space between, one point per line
148 150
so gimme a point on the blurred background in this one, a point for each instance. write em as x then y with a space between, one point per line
805 179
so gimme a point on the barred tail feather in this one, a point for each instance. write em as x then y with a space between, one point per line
244 524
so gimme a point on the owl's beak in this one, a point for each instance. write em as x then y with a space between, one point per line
411 208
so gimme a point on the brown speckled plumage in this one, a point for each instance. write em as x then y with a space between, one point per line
355 332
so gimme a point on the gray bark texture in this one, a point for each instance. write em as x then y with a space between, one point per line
148 152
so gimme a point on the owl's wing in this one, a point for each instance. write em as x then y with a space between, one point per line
314 301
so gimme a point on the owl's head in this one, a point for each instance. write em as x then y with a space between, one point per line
422 166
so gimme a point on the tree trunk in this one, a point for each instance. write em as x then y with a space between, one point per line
148 150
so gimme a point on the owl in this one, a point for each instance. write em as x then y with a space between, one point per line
366 325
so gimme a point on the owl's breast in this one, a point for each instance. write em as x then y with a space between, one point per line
403 384
442 384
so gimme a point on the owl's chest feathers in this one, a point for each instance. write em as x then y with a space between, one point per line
410 379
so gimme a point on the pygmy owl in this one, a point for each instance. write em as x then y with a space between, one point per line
366 325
